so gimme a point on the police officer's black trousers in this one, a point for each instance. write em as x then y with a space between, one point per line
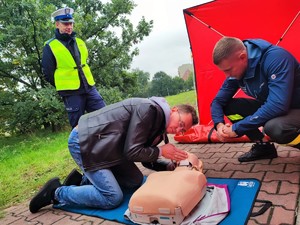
77 104
283 129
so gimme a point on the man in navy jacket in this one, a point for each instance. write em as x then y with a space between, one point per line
270 75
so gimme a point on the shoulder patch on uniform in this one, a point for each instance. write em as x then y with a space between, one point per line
47 42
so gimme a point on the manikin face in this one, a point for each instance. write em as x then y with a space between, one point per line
64 28
235 65
179 122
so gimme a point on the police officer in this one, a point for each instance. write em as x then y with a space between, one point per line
65 67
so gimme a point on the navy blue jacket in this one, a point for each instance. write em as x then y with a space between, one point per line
272 77
49 62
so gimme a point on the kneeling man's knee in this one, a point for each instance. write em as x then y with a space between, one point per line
114 200
274 129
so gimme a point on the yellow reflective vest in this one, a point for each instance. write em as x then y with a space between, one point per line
66 76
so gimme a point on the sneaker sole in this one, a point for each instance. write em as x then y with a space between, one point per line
260 158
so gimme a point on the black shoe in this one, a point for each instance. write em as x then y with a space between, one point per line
261 150
45 196
74 178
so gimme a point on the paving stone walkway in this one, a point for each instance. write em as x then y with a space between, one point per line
280 179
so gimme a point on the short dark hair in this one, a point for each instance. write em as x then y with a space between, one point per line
186 108
225 47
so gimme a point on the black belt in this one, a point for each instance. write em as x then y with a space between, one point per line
79 66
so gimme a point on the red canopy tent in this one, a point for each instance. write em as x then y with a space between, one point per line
276 21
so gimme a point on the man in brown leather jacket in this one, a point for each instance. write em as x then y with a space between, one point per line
107 143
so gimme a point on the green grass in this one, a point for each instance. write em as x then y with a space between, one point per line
28 161
183 98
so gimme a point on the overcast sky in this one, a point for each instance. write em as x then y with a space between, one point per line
167 47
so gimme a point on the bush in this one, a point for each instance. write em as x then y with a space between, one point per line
36 110
111 95
53 109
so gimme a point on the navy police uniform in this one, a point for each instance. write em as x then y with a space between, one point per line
79 93
272 79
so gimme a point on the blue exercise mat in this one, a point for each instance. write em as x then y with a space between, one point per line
242 192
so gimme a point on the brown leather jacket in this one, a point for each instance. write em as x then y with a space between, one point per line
122 131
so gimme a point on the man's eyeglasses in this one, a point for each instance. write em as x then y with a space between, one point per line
181 126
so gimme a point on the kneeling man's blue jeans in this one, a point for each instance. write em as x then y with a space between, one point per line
104 187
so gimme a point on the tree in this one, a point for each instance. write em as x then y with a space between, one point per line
177 85
142 88
164 85
189 83
160 85
24 27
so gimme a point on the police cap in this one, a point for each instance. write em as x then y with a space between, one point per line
63 15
